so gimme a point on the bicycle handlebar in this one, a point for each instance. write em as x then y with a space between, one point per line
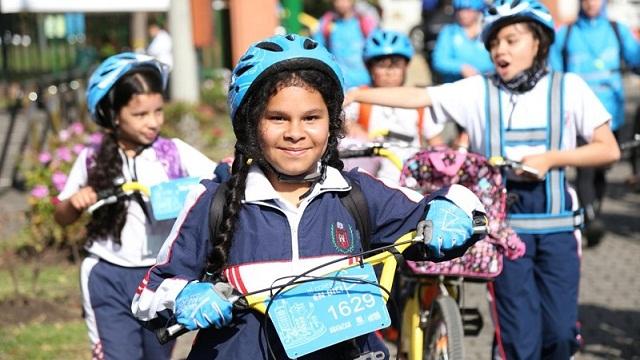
500 161
385 255
110 196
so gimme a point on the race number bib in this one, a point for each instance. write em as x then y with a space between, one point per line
340 306
167 198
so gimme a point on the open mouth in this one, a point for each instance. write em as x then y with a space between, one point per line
502 64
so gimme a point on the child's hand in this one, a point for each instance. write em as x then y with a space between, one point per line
350 97
84 198
202 305
468 71
451 227
540 162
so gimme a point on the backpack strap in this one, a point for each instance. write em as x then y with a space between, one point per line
364 114
168 155
326 26
356 203
616 31
565 49
216 208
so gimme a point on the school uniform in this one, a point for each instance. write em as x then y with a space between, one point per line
536 296
272 240
110 274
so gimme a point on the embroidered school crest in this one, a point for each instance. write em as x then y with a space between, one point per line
342 237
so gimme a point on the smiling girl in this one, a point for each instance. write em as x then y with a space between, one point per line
527 113
283 210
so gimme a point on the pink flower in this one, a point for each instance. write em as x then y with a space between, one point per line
64 154
59 179
95 138
76 128
44 157
77 148
39 191
64 135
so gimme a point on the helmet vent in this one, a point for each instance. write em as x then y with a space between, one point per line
269 46
242 70
246 57
309 44
493 11
515 3
376 41
290 37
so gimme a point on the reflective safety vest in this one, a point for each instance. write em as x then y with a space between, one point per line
556 218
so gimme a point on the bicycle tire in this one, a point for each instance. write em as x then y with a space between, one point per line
444 331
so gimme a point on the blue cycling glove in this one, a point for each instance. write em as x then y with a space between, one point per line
201 305
451 227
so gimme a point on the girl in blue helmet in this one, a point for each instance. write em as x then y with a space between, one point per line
283 214
527 113
387 55
459 53
124 97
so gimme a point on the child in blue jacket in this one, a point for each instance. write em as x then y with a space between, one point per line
283 213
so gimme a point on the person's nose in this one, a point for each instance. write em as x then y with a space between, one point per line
295 130
155 120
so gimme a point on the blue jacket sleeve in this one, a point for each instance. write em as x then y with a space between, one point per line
630 47
443 58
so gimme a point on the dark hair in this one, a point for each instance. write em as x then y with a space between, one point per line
247 146
545 40
110 219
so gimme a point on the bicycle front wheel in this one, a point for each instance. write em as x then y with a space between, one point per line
444 335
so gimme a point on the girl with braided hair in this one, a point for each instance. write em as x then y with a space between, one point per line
125 98
283 214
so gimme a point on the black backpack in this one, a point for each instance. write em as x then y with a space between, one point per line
353 200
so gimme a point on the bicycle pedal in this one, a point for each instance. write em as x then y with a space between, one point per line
472 321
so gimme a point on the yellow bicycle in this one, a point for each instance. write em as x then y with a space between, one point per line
304 293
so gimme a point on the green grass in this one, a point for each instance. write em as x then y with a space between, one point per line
66 340
55 282
58 284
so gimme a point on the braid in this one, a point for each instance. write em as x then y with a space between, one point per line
109 219
233 200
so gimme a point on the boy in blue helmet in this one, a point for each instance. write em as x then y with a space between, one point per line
283 207
595 48
526 113
125 98
387 55
459 53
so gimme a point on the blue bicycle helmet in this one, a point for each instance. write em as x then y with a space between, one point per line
110 71
478 5
387 42
507 12
274 54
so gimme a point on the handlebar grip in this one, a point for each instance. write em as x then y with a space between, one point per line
401 137
351 153
164 335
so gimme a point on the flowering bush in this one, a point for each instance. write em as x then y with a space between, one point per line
46 174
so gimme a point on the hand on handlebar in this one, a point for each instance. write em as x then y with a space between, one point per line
203 304
534 167
83 198
451 227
